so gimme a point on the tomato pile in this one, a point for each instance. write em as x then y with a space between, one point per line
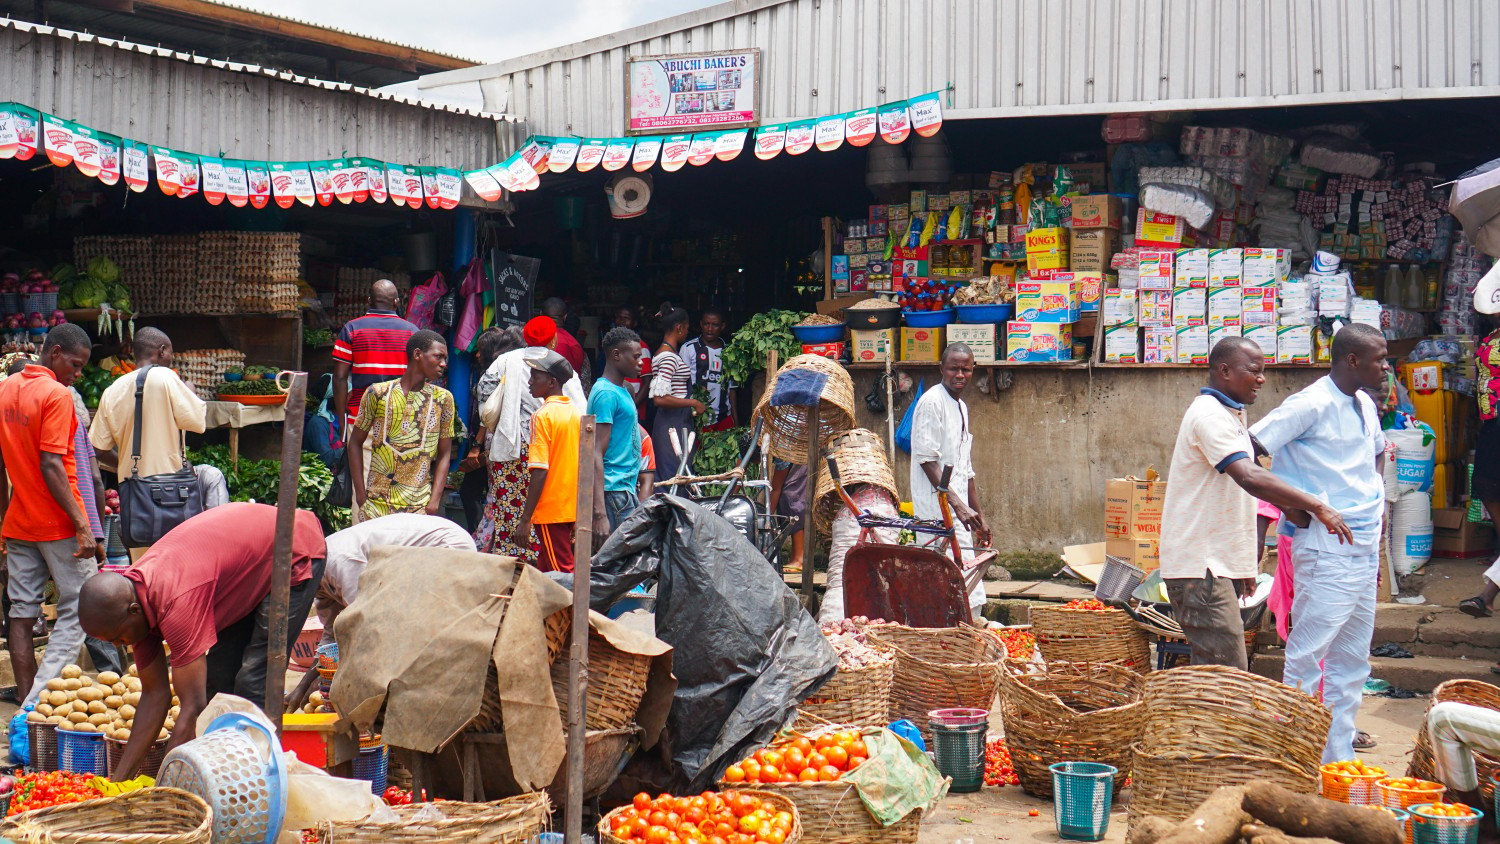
51 788
732 817
395 796
1085 604
998 769
1411 784
1449 810
1019 644
802 759
1348 771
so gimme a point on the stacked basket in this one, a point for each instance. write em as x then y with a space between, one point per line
1064 712
861 459
1110 635
855 696
514 820
146 816
787 424
1474 693
940 668
1207 726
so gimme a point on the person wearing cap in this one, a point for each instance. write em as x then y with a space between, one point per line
551 507
410 424
1485 485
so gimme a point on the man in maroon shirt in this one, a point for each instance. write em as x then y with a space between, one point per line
567 345
203 590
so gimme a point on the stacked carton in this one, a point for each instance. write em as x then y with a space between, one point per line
1132 519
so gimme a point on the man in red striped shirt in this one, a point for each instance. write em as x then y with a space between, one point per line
371 349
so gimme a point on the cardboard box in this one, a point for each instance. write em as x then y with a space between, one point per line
1468 540
873 346
1191 344
1191 268
1038 341
1219 332
1095 174
1047 301
1098 211
921 344
1158 231
1047 249
983 340
1225 306
1121 307
1092 249
1122 344
1266 267
1156 269
1133 507
1155 308
833 351
1226 267
1090 287
1159 345
1189 306
1144 554
1294 344
1264 337
840 267
1258 306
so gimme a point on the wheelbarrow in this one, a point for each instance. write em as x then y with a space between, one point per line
908 584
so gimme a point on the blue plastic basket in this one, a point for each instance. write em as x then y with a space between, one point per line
82 753
235 766
1428 829
1082 794
814 334
928 319
371 765
984 314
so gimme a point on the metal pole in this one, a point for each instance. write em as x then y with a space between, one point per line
890 405
578 655
809 536
827 259
281 567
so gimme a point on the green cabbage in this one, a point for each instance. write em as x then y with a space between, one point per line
119 296
89 292
103 269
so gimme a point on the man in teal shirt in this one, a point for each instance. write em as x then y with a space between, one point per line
614 414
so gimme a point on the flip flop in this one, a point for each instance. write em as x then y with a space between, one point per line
1363 740
1474 607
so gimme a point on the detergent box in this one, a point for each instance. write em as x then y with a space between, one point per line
1191 344
1121 307
1038 341
1225 305
1264 337
1122 344
1047 301
1191 269
1189 306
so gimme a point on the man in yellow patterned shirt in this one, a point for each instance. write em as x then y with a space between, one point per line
410 423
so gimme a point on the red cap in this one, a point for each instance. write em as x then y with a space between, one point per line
539 331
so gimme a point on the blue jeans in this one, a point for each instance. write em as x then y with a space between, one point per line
618 505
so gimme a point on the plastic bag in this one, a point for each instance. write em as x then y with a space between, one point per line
903 430
422 311
746 651
20 740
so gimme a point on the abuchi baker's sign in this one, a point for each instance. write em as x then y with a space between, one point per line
685 91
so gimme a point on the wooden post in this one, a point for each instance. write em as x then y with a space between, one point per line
578 655
281 568
890 405
814 455
827 263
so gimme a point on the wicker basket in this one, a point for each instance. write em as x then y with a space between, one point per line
1091 636
780 802
832 813
861 459
1171 784
616 684
858 696
787 426
1069 711
940 668
147 816
1474 693
514 820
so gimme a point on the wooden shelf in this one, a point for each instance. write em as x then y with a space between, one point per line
1203 366
1004 364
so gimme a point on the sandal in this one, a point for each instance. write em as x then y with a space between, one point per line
1363 740
1475 607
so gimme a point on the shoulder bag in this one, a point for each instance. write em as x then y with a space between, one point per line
153 505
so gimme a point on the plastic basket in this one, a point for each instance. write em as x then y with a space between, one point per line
958 745
82 753
1399 798
371 765
43 746
1082 794
235 766
10 303
1118 580
1432 829
150 764
328 655
1356 789
41 303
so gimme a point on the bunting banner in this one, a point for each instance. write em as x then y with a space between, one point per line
675 150
57 140
729 144
926 113
236 183
86 151
215 186
701 148
769 142
564 152
860 127
590 153
109 159
895 122
799 136
135 165
829 134
258 180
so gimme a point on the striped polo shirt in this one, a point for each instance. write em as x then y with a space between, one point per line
374 346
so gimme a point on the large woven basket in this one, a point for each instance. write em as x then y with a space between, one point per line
859 696
787 425
1474 693
616 684
779 801
147 816
861 459
832 813
1069 712
1170 784
514 820
1092 636
940 668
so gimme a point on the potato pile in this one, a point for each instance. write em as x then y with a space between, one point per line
317 703
103 704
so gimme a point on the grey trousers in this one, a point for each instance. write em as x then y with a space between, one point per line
1208 609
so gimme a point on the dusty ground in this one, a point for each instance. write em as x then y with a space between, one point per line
1004 813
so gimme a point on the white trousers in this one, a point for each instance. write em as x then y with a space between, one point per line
1459 731
844 534
1492 574
1333 621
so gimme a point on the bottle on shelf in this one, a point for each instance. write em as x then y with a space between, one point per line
1416 288
1391 289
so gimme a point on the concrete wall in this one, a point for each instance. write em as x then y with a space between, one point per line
1044 447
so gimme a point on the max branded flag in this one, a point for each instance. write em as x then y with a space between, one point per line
769 141
926 113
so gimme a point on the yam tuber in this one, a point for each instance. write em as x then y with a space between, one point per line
1312 816
1255 833
1217 820
1148 830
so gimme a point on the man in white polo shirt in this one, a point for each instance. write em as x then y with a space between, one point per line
1209 554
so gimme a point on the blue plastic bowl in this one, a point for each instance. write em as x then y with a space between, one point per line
984 314
814 334
928 319
234 376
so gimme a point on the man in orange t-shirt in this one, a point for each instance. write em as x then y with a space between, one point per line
44 529
552 497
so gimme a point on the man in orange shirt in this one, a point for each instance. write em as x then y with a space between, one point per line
44 529
552 497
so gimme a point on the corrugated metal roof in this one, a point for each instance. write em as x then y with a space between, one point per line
1013 58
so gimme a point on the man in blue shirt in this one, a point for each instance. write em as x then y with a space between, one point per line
617 434
1326 441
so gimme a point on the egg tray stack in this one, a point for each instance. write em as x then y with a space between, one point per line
267 297
130 253
203 369
273 255
352 293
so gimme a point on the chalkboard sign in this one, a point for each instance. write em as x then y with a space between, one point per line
515 277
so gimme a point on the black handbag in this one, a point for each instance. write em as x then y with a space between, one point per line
341 491
153 505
